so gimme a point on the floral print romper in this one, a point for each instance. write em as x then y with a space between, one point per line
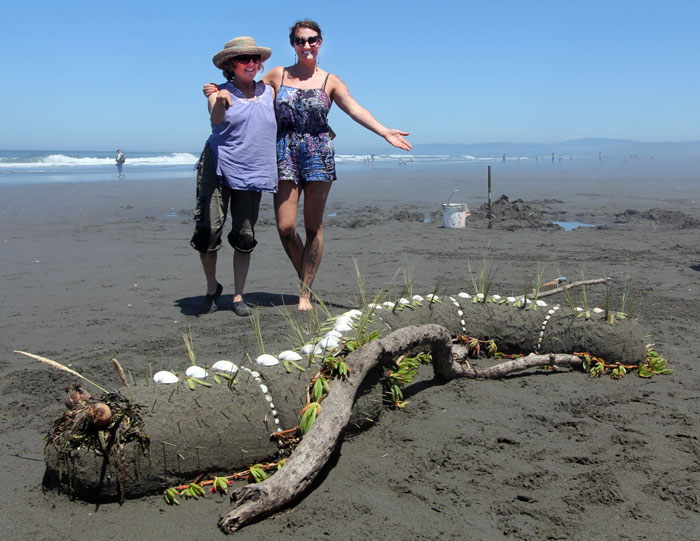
304 147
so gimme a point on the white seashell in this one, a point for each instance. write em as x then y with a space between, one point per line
268 398
165 376
374 306
344 319
528 301
464 295
274 412
267 360
263 388
511 300
342 327
272 406
480 296
496 297
196 372
404 300
334 333
307 348
418 298
289 355
460 313
224 366
598 310
579 309
540 303
319 350
354 312
550 312
277 421
388 304
329 342
255 374
432 297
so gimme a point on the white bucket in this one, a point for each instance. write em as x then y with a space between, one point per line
454 215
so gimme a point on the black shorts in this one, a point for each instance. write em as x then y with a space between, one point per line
213 200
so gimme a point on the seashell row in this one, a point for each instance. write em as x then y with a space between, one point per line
343 324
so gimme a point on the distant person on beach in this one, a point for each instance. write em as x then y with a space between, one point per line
305 153
120 159
237 165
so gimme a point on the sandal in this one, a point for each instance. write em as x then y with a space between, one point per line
210 300
241 308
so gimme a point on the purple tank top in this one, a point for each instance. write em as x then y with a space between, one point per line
244 143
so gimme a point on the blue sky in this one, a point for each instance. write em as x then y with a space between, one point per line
96 76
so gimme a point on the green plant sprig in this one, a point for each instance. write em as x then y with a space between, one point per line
194 490
655 364
402 373
474 346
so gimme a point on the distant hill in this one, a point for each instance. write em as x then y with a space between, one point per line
577 147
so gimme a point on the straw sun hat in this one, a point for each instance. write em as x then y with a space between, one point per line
237 46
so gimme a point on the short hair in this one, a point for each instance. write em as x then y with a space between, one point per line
306 23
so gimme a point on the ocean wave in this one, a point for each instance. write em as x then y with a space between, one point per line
351 158
63 160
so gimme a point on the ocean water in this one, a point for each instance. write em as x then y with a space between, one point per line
34 166
405 176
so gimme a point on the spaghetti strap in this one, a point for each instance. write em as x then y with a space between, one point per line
324 82
284 71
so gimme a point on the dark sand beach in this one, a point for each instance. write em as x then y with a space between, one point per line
96 270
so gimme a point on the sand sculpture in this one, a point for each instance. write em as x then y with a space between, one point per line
160 435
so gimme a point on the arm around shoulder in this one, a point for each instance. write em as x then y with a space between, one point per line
273 78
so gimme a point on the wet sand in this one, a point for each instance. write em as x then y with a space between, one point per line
98 270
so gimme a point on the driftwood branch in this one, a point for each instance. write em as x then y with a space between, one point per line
254 502
562 288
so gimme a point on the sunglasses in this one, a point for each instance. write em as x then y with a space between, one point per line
313 41
245 58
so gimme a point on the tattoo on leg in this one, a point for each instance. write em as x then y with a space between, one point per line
288 242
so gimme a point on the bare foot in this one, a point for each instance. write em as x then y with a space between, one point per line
304 304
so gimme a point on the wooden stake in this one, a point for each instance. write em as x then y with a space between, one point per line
489 196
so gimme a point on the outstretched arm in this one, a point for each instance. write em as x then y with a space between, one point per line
341 95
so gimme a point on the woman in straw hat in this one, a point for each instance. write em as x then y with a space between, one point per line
238 164
305 153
